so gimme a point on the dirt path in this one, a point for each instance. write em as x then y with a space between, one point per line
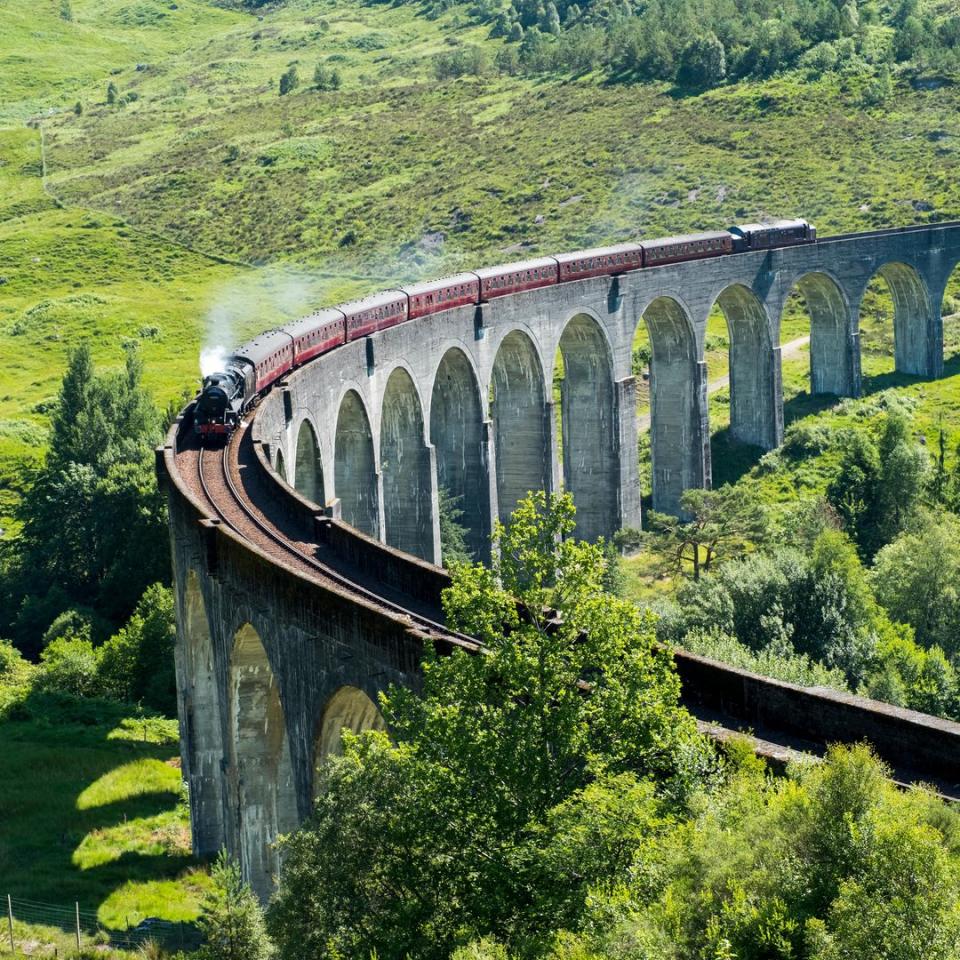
788 351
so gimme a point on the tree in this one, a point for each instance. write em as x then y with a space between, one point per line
111 93
879 484
93 518
703 62
439 836
289 80
721 523
78 108
136 664
66 11
453 539
325 79
917 580
516 33
231 917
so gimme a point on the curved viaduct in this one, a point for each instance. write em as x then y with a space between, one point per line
296 606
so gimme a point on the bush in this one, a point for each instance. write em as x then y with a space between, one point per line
70 665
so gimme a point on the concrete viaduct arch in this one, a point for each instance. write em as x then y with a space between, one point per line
272 665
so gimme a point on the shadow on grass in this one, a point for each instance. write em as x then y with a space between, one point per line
48 765
730 458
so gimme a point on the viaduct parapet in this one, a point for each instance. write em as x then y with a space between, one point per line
276 656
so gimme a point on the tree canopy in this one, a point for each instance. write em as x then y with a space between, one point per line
469 821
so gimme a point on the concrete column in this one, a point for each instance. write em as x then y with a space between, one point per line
700 470
680 431
356 481
625 407
434 555
489 455
459 438
521 424
553 468
201 739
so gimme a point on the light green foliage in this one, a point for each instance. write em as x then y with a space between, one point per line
95 817
70 665
232 918
774 870
917 579
721 523
774 660
511 791
136 664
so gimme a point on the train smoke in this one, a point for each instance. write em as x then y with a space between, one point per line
274 296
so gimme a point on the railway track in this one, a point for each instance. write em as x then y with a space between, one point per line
218 474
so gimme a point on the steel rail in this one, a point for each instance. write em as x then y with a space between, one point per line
425 624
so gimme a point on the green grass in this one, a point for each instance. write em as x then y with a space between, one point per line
94 814
157 209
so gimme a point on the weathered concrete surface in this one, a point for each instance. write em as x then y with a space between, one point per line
482 378
270 664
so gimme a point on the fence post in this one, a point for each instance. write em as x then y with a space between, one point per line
13 948
77 905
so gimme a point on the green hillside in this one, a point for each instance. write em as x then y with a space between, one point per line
201 200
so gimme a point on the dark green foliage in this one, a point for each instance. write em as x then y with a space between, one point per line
453 535
325 78
289 80
701 44
111 93
232 918
94 520
917 579
816 605
469 60
879 484
507 794
66 11
702 63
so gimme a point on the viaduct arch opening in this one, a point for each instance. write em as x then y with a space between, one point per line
308 469
405 468
753 369
348 709
591 463
897 293
355 473
281 466
522 434
679 434
200 713
458 435
950 314
260 760
834 364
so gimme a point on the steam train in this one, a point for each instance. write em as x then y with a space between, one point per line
255 366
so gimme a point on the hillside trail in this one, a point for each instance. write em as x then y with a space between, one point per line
787 352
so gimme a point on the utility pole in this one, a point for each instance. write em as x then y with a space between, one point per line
13 948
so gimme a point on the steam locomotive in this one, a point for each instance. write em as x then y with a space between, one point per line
255 366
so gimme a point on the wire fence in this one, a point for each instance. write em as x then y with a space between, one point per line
83 929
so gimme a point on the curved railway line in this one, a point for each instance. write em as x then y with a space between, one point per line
231 487
331 607
224 487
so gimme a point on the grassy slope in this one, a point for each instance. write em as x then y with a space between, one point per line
393 176
94 815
